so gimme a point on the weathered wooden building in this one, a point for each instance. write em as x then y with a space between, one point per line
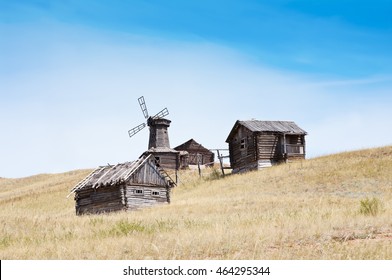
159 144
165 157
256 144
197 154
125 186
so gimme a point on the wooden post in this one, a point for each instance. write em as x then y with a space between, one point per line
198 156
284 147
221 162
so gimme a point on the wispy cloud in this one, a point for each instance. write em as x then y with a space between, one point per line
373 80
72 104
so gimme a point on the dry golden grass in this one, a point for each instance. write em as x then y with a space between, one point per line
304 210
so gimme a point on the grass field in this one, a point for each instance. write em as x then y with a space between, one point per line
332 207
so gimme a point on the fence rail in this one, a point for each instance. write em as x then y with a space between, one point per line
294 149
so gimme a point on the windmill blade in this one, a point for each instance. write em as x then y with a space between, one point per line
143 106
161 114
136 129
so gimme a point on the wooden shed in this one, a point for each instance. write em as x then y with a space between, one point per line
196 153
165 157
125 186
256 144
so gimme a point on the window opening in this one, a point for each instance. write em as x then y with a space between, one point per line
243 143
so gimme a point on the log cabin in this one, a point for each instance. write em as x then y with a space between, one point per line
125 186
196 153
256 144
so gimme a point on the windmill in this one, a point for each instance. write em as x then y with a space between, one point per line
159 138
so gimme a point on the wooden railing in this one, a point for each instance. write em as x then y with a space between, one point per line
294 149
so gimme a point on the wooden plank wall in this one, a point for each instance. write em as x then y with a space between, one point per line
149 175
159 137
265 163
194 149
136 200
168 160
94 201
118 198
206 157
184 161
245 167
243 152
269 147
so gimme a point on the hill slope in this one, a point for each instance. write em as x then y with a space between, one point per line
314 209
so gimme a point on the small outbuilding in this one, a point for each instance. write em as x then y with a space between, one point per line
257 144
125 186
196 153
165 157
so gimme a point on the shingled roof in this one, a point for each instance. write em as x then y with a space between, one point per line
191 144
111 175
288 127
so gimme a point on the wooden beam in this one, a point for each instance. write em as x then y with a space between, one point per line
284 147
221 162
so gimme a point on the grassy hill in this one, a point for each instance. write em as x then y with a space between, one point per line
333 207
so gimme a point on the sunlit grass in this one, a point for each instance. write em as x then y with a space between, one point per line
305 210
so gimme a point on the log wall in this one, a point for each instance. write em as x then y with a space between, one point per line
196 152
123 197
94 201
168 160
269 147
159 136
243 150
137 197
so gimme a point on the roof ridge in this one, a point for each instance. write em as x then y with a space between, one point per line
267 126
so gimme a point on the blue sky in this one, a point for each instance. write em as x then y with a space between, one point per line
71 73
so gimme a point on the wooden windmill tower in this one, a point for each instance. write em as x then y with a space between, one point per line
158 143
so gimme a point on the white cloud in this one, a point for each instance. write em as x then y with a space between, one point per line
71 107
354 129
